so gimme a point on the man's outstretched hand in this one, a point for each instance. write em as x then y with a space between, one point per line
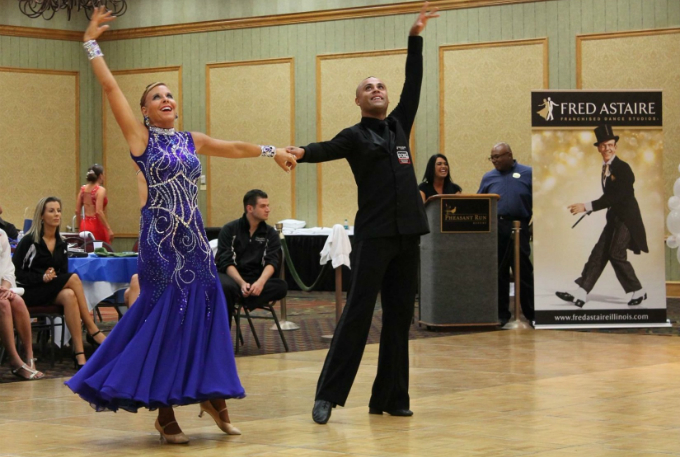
297 152
423 17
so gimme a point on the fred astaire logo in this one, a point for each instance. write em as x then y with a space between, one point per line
600 112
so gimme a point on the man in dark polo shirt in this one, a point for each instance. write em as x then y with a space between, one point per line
387 231
248 255
512 181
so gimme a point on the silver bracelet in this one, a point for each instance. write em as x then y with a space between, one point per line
92 49
268 151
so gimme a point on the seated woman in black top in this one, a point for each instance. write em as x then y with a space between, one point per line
41 262
437 179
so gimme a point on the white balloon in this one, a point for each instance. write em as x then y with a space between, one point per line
673 203
676 188
673 222
672 242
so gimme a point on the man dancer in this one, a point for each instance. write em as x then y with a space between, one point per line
388 226
624 229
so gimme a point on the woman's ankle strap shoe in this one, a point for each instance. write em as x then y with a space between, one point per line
179 438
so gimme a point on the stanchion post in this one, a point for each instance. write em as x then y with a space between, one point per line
338 299
284 322
516 322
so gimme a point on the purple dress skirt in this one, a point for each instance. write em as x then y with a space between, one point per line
173 347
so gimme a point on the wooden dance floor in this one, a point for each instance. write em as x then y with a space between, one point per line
505 393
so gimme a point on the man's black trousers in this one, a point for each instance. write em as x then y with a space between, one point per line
274 289
387 265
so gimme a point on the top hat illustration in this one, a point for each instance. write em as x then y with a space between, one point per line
604 133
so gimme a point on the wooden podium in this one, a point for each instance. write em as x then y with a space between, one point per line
459 261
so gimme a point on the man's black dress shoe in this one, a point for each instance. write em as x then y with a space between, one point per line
394 412
638 300
322 411
570 298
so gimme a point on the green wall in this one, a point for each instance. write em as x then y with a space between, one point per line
559 20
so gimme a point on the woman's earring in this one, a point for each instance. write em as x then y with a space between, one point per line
146 121
176 116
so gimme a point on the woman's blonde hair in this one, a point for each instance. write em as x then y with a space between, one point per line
36 230
142 101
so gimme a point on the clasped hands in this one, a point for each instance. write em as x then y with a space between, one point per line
6 294
254 289
49 275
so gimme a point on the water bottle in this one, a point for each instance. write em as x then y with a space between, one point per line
346 225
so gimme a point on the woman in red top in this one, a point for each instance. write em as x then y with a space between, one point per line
92 196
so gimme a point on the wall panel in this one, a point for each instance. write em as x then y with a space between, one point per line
250 101
485 99
39 155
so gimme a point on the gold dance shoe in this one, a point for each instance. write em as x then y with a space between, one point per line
226 427
179 438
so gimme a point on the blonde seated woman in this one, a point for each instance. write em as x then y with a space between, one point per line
13 314
41 261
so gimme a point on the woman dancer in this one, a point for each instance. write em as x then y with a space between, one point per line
41 263
173 347
92 196
437 178
13 314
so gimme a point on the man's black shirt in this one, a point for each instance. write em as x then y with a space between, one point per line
379 155
248 254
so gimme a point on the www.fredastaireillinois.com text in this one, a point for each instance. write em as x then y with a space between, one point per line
603 317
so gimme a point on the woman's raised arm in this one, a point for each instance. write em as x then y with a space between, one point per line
134 131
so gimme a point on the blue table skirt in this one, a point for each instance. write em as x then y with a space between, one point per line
111 269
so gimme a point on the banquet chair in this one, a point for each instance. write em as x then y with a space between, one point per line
239 308
44 327
116 300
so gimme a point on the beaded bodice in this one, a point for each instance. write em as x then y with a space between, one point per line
173 246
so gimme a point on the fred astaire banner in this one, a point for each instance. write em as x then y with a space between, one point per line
598 209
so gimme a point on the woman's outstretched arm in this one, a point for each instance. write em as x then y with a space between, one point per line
241 150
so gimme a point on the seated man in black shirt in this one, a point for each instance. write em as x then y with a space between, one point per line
248 255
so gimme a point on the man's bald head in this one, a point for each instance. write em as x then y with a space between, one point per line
371 97
501 156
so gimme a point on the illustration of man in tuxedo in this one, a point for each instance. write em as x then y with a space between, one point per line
624 229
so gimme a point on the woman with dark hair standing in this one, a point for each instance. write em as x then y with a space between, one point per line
174 346
437 179
41 262
92 197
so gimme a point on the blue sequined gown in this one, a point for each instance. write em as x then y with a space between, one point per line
173 347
